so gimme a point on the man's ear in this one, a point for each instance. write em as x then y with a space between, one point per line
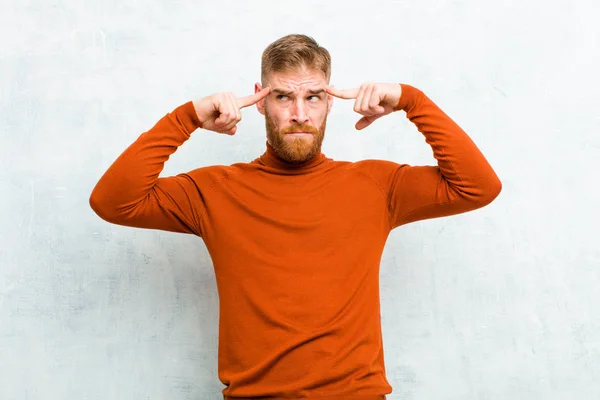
260 105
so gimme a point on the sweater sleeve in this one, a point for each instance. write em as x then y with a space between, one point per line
130 192
462 181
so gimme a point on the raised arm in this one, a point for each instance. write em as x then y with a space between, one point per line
462 181
131 193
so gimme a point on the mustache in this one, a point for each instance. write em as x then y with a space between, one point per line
300 128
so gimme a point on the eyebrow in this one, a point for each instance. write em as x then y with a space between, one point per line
288 92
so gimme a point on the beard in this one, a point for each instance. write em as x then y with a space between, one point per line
295 150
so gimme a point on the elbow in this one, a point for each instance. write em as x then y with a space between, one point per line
481 194
101 208
497 188
490 192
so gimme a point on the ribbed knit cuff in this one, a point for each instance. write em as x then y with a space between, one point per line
186 115
407 98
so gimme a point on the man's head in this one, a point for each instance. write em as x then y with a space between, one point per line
298 70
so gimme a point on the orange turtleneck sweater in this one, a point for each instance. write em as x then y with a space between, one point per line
296 249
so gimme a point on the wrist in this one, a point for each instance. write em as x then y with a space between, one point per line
408 95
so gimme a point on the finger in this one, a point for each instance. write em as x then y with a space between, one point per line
223 119
220 106
253 98
366 100
228 111
376 99
366 121
359 99
362 123
230 127
234 108
230 132
343 94
231 122
232 119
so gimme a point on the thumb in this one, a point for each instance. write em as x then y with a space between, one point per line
232 131
365 121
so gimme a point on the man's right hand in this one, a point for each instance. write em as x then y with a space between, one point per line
222 111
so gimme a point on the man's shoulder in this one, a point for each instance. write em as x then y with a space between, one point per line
383 173
376 166
210 174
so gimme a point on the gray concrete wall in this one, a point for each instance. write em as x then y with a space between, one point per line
500 303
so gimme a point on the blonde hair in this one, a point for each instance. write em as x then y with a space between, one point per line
292 52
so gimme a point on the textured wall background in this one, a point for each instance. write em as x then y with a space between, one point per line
500 303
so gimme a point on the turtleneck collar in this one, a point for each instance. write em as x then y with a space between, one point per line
270 159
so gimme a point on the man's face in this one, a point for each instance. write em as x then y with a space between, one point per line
295 113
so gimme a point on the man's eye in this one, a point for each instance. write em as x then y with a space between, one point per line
315 97
280 96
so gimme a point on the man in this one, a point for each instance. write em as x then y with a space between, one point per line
295 237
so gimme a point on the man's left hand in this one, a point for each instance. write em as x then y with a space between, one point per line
373 100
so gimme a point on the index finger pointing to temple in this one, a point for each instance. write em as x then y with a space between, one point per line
343 94
253 98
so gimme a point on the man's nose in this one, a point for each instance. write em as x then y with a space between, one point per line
299 114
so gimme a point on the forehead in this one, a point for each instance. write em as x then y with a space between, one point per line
298 80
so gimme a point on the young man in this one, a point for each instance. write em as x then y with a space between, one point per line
296 237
